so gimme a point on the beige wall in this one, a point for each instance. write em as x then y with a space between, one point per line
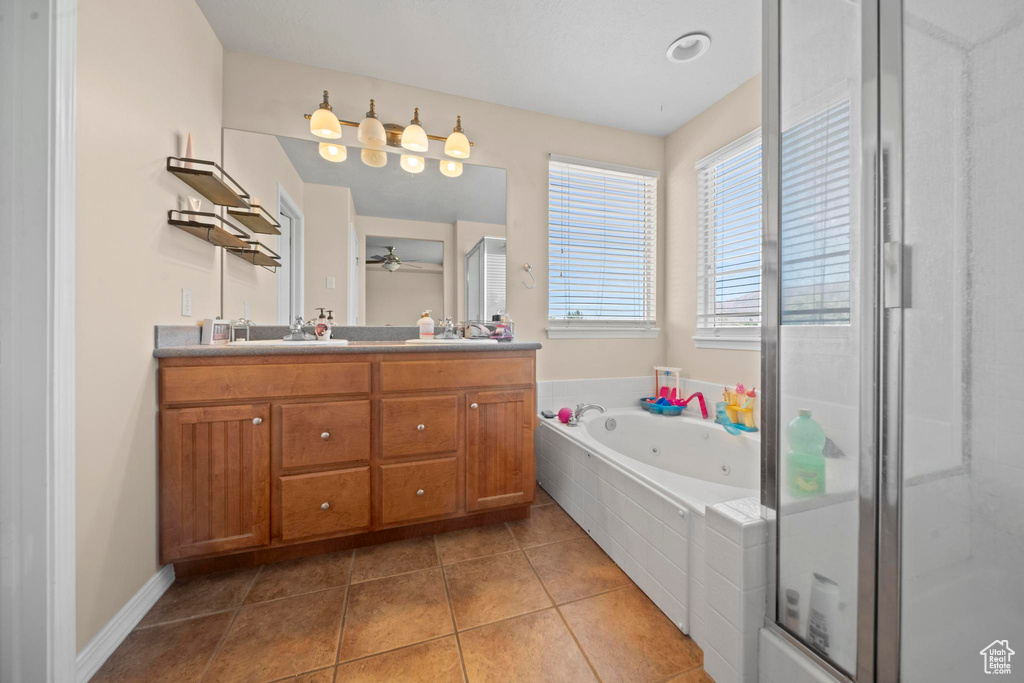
400 297
730 118
259 164
327 218
148 72
270 96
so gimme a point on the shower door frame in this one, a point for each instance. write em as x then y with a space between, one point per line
881 337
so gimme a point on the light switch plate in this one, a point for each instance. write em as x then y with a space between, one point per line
186 302
330 282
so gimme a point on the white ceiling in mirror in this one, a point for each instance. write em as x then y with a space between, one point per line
601 61
410 251
389 192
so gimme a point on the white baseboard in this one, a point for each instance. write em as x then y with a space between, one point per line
103 644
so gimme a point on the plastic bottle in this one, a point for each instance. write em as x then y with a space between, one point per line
805 464
322 329
426 325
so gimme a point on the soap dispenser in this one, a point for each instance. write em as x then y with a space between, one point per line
323 328
426 325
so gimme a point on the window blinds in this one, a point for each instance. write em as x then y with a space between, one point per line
602 232
729 236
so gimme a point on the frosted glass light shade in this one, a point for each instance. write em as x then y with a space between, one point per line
333 152
412 164
324 124
374 158
457 144
414 138
371 132
452 169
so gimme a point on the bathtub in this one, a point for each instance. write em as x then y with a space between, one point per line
640 484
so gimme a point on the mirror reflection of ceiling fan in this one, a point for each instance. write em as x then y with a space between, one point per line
390 261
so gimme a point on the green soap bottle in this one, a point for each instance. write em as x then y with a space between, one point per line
805 464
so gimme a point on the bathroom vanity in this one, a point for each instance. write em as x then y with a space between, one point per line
268 453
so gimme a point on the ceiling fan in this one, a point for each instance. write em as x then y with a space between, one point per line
389 261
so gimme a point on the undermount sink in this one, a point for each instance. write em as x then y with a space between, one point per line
458 340
282 342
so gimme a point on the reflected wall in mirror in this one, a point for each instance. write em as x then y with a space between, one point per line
338 220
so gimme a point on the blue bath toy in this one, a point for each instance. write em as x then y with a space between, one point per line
723 419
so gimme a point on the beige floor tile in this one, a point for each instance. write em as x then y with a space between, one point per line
318 676
541 497
281 638
304 575
628 639
172 652
575 569
197 595
468 544
436 661
389 613
546 524
697 675
389 559
493 588
534 647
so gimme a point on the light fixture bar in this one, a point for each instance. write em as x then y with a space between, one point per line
353 124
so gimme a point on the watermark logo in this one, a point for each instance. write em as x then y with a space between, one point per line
997 656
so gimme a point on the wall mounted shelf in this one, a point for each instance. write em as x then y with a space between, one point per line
257 219
210 180
208 227
257 254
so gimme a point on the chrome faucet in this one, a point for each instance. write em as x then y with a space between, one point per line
297 331
448 329
582 408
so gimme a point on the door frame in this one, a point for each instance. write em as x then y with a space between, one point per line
37 340
290 291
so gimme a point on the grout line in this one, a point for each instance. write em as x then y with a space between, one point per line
451 614
304 673
344 612
223 638
394 649
188 618
391 576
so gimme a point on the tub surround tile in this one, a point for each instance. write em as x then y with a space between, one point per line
546 524
304 575
393 612
469 544
643 646
493 588
535 647
198 595
435 661
172 652
281 638
575 569
389 559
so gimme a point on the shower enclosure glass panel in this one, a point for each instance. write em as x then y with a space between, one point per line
962 594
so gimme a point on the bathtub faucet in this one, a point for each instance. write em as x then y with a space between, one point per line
581 409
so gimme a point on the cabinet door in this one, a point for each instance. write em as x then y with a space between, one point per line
499 449
214 480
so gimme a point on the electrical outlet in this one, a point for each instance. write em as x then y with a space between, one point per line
246 310
330 282
186 302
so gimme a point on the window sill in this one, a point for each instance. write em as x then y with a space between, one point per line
601 332
736 342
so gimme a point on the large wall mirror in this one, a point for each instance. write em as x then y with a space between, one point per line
375 244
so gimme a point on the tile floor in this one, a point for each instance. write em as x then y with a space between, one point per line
531 600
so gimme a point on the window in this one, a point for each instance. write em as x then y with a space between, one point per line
602 233
814 232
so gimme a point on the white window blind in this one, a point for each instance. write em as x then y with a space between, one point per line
729 238
602 232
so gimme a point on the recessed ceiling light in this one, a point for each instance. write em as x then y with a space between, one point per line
688 48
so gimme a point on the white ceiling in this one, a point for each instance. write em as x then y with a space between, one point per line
601 61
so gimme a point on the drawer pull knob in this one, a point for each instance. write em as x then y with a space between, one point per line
257 420
420 427
325 506
420 492
325 436
473 406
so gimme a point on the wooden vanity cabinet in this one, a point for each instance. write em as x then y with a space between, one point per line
277 456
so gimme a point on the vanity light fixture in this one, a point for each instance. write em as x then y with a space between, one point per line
412 163
452 169
333 152
375 158
688 48
414 138
457 144
371 130
323 123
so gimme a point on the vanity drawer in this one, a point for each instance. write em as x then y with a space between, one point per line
419 426
426 375
346 494
324 433
417 490
230 382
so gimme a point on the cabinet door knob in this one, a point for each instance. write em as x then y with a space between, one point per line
325 436
257 420
420 427
325 506
420 492
473 406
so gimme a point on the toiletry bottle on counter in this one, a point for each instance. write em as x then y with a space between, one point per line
823 615
426 325
805 464
323 328
330 321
